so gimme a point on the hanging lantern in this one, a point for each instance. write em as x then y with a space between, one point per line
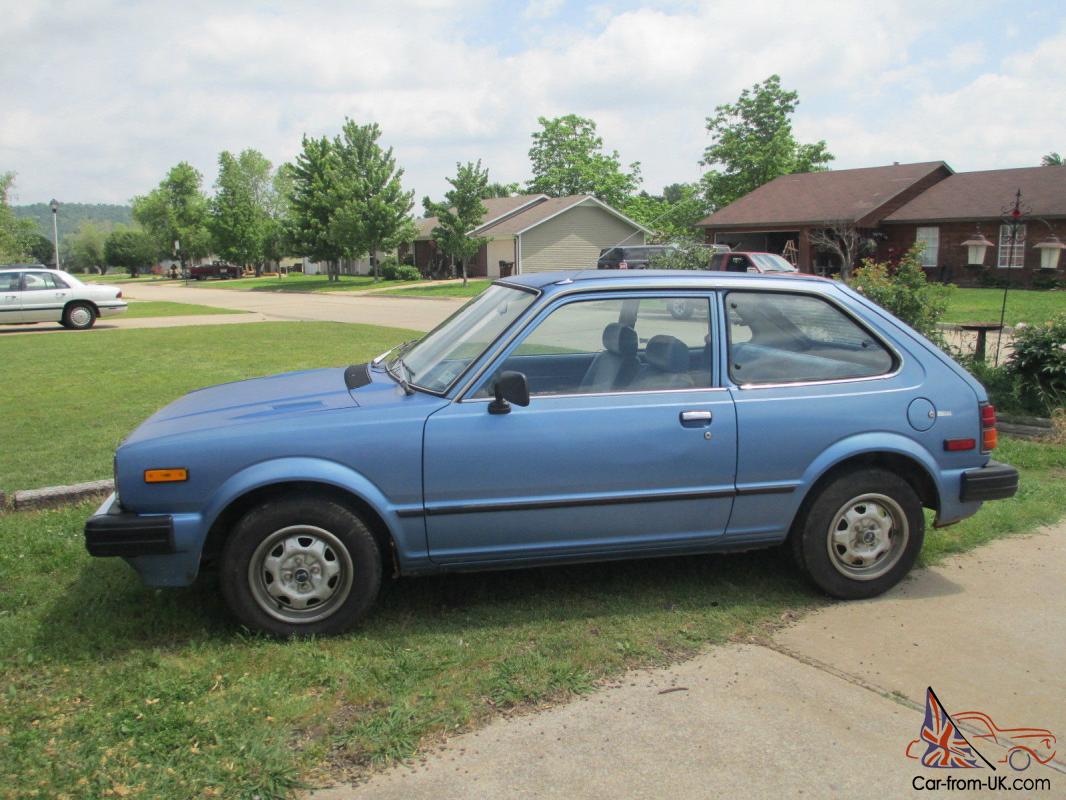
976 247
1050 249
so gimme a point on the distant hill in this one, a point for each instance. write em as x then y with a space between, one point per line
71 215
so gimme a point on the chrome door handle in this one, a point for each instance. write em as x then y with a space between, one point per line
696 419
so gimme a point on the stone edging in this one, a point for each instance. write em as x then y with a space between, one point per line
53 496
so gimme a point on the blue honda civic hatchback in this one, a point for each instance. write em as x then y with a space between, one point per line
565 417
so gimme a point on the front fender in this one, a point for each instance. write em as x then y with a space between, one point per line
404 522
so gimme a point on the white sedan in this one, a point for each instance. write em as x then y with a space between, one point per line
37 294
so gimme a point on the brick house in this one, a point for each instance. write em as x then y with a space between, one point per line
893 207
537 233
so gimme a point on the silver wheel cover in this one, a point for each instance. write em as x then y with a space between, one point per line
867 536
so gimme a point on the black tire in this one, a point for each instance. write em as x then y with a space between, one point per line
680 309
79 316
839 538
289 539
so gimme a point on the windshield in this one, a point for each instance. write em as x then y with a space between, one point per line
438 359
768 262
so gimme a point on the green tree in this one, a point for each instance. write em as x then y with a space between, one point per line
240 210
461 212
672 215
567 157
313 177
176 211
905 292
17 236
84 249
753 143
372 211
1052 160
497 189
130 248
276 242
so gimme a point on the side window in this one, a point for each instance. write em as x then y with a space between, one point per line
9 281
607 346
786 338
37 281
737 263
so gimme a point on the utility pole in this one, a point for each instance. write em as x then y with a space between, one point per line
55 228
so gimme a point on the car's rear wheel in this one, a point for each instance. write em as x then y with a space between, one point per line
300 565
861 534
680 309
78 316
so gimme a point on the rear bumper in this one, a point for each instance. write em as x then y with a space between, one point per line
111 531
994 481
111 310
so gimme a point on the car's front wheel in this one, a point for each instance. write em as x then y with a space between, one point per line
78 316
861 534
301 565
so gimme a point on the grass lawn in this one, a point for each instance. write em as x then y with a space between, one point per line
472 289
111 689
102 386
296 283
164 308
1023 305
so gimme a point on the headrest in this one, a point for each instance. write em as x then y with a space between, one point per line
620 340
667 353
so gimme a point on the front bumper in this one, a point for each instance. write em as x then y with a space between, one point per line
994 481
112 531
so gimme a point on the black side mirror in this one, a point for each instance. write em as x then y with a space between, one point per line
510 387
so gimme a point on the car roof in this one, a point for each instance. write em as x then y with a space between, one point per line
11 267
666 278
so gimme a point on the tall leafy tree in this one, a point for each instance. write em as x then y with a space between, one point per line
240 210
671 215
1052 160
567 157
373 212
753 143
130 248
84 249
176 210
497 189
276 242
17 236
312 201
461 212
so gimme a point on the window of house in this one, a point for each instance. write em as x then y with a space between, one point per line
781 338
1011 251
929 239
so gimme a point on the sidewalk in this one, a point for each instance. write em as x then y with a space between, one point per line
824 709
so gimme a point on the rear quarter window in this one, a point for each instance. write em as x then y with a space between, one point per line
787 338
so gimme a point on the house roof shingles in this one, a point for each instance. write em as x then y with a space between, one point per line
531 216
495 207
818 197
987 194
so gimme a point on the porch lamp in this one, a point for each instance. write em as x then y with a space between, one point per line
1050 249
976 247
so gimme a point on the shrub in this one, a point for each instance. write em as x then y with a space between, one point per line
387 267
685 255
905 292
1038 363
407 272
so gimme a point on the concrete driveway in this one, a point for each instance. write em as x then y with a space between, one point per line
418 313
825 708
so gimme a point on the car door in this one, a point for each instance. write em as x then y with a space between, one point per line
10 297
43 297
634 451
805 374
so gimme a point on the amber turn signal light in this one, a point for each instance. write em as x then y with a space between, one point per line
174 475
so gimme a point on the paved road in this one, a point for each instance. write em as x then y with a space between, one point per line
825 708
399 312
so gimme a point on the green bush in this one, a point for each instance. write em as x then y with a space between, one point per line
406 272
1044 281
905 292
1038 363
685 255
387 267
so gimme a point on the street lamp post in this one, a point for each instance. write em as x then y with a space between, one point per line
55 228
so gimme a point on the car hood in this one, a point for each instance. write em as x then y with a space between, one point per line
289 394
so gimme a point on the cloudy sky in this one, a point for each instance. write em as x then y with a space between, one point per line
98 98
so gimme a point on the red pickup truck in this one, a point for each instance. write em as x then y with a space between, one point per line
218 269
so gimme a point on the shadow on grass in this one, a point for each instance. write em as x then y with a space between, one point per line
105 611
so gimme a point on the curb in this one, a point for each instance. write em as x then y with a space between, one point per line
55 496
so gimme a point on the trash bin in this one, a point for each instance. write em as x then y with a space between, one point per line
506 268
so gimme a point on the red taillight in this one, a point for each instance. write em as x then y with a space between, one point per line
957 445
989 437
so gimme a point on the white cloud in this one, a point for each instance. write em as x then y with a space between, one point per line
99 98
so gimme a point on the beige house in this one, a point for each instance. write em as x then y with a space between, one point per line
537 233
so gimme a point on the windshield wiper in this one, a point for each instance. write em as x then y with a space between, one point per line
395 358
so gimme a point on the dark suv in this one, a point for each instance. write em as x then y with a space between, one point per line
636 257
